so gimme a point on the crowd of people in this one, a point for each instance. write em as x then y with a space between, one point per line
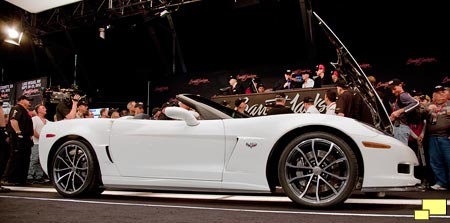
292 79
423 123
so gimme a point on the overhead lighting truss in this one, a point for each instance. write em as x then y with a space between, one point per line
91 12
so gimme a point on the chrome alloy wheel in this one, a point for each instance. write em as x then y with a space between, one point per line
318 170
70 168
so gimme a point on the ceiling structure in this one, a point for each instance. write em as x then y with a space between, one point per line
47 16
39 6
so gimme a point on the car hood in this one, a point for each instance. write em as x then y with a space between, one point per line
351 72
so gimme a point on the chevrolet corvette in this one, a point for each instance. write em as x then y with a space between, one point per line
316 160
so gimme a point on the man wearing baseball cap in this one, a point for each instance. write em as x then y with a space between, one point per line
438 122
402 109
287 82
20 130
280 106
320 79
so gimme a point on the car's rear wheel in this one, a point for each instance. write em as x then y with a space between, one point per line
318 169
74 170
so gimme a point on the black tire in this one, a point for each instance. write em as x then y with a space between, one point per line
318 170
74 170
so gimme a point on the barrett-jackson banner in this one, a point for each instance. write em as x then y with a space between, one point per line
7 92
256 103
32 88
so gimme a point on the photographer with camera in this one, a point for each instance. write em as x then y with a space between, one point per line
67 109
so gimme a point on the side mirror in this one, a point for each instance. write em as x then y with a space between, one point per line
181 114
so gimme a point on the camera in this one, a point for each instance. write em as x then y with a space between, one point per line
56 95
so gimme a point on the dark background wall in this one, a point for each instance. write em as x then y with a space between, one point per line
218 38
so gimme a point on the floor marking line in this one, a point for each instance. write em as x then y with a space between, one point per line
225 197
219 209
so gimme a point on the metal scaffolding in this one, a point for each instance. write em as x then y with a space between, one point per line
93 12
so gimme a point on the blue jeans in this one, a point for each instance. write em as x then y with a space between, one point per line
402 133
35 171
440 159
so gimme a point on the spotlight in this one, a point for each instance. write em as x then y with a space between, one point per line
14 36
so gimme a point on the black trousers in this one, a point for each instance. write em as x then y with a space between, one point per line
4 153
422 172
19 160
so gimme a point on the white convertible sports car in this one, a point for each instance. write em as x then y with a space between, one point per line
318 160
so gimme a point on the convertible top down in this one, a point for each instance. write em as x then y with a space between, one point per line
318 160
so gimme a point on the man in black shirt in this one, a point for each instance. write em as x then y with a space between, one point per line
20 130
236 87
288 82
321 79
344 102
280 106
67 109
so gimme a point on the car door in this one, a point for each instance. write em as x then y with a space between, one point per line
168 149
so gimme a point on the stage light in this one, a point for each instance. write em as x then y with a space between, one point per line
14 36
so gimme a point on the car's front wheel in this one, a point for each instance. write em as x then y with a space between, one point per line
318 170
74 170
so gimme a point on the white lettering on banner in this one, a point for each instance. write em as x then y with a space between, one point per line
31 84
5 91
257 110
6 88
296 105
320 103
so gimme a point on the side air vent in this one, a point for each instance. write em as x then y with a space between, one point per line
403 168
109 155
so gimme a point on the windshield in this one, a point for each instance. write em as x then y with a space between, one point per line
231 113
